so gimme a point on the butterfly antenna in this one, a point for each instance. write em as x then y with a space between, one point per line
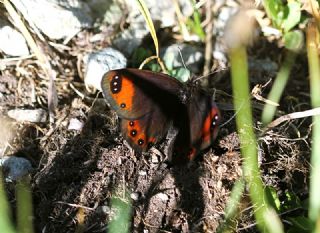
210 73
232 117
184 64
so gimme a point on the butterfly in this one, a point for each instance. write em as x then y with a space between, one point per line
149 104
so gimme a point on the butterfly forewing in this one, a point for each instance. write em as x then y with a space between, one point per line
133 93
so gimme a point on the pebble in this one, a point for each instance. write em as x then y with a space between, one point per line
17 167
163 196
135 196
100 62
103 209
142 173
75 124
154 159
31 115
12 41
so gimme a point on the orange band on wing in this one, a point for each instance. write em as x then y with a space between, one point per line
125 96
207 132
139 133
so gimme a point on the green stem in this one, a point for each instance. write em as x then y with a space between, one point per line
24 206
5 222
314 71
278 87
241 93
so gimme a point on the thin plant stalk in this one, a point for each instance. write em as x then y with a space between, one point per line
240 85
232 208
278 87
122 211
314 71
5 222
24 206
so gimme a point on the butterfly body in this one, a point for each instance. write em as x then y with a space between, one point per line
149 103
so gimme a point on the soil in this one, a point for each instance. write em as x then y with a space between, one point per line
77 172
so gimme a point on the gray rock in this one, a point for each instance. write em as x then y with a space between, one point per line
100 62
220 49
109 11
56 19
162 13
16 167
130 38
12 41
263 65
192 57
32 115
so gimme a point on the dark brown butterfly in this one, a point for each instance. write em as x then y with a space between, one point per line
149 103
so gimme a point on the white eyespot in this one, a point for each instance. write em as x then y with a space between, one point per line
216 117
115 83
116 77
115 89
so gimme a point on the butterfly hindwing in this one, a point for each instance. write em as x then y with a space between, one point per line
204 123
146 131
199 129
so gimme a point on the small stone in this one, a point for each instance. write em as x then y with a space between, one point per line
135 196
12 41
142 173
16 167
163 196
154 159
219 184
215 159
103 209
75 124
32 115
119 161
98 63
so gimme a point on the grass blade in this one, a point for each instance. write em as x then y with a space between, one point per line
146 14
5 222
314 70
232 208
120 222
278 87
24 206
240 86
